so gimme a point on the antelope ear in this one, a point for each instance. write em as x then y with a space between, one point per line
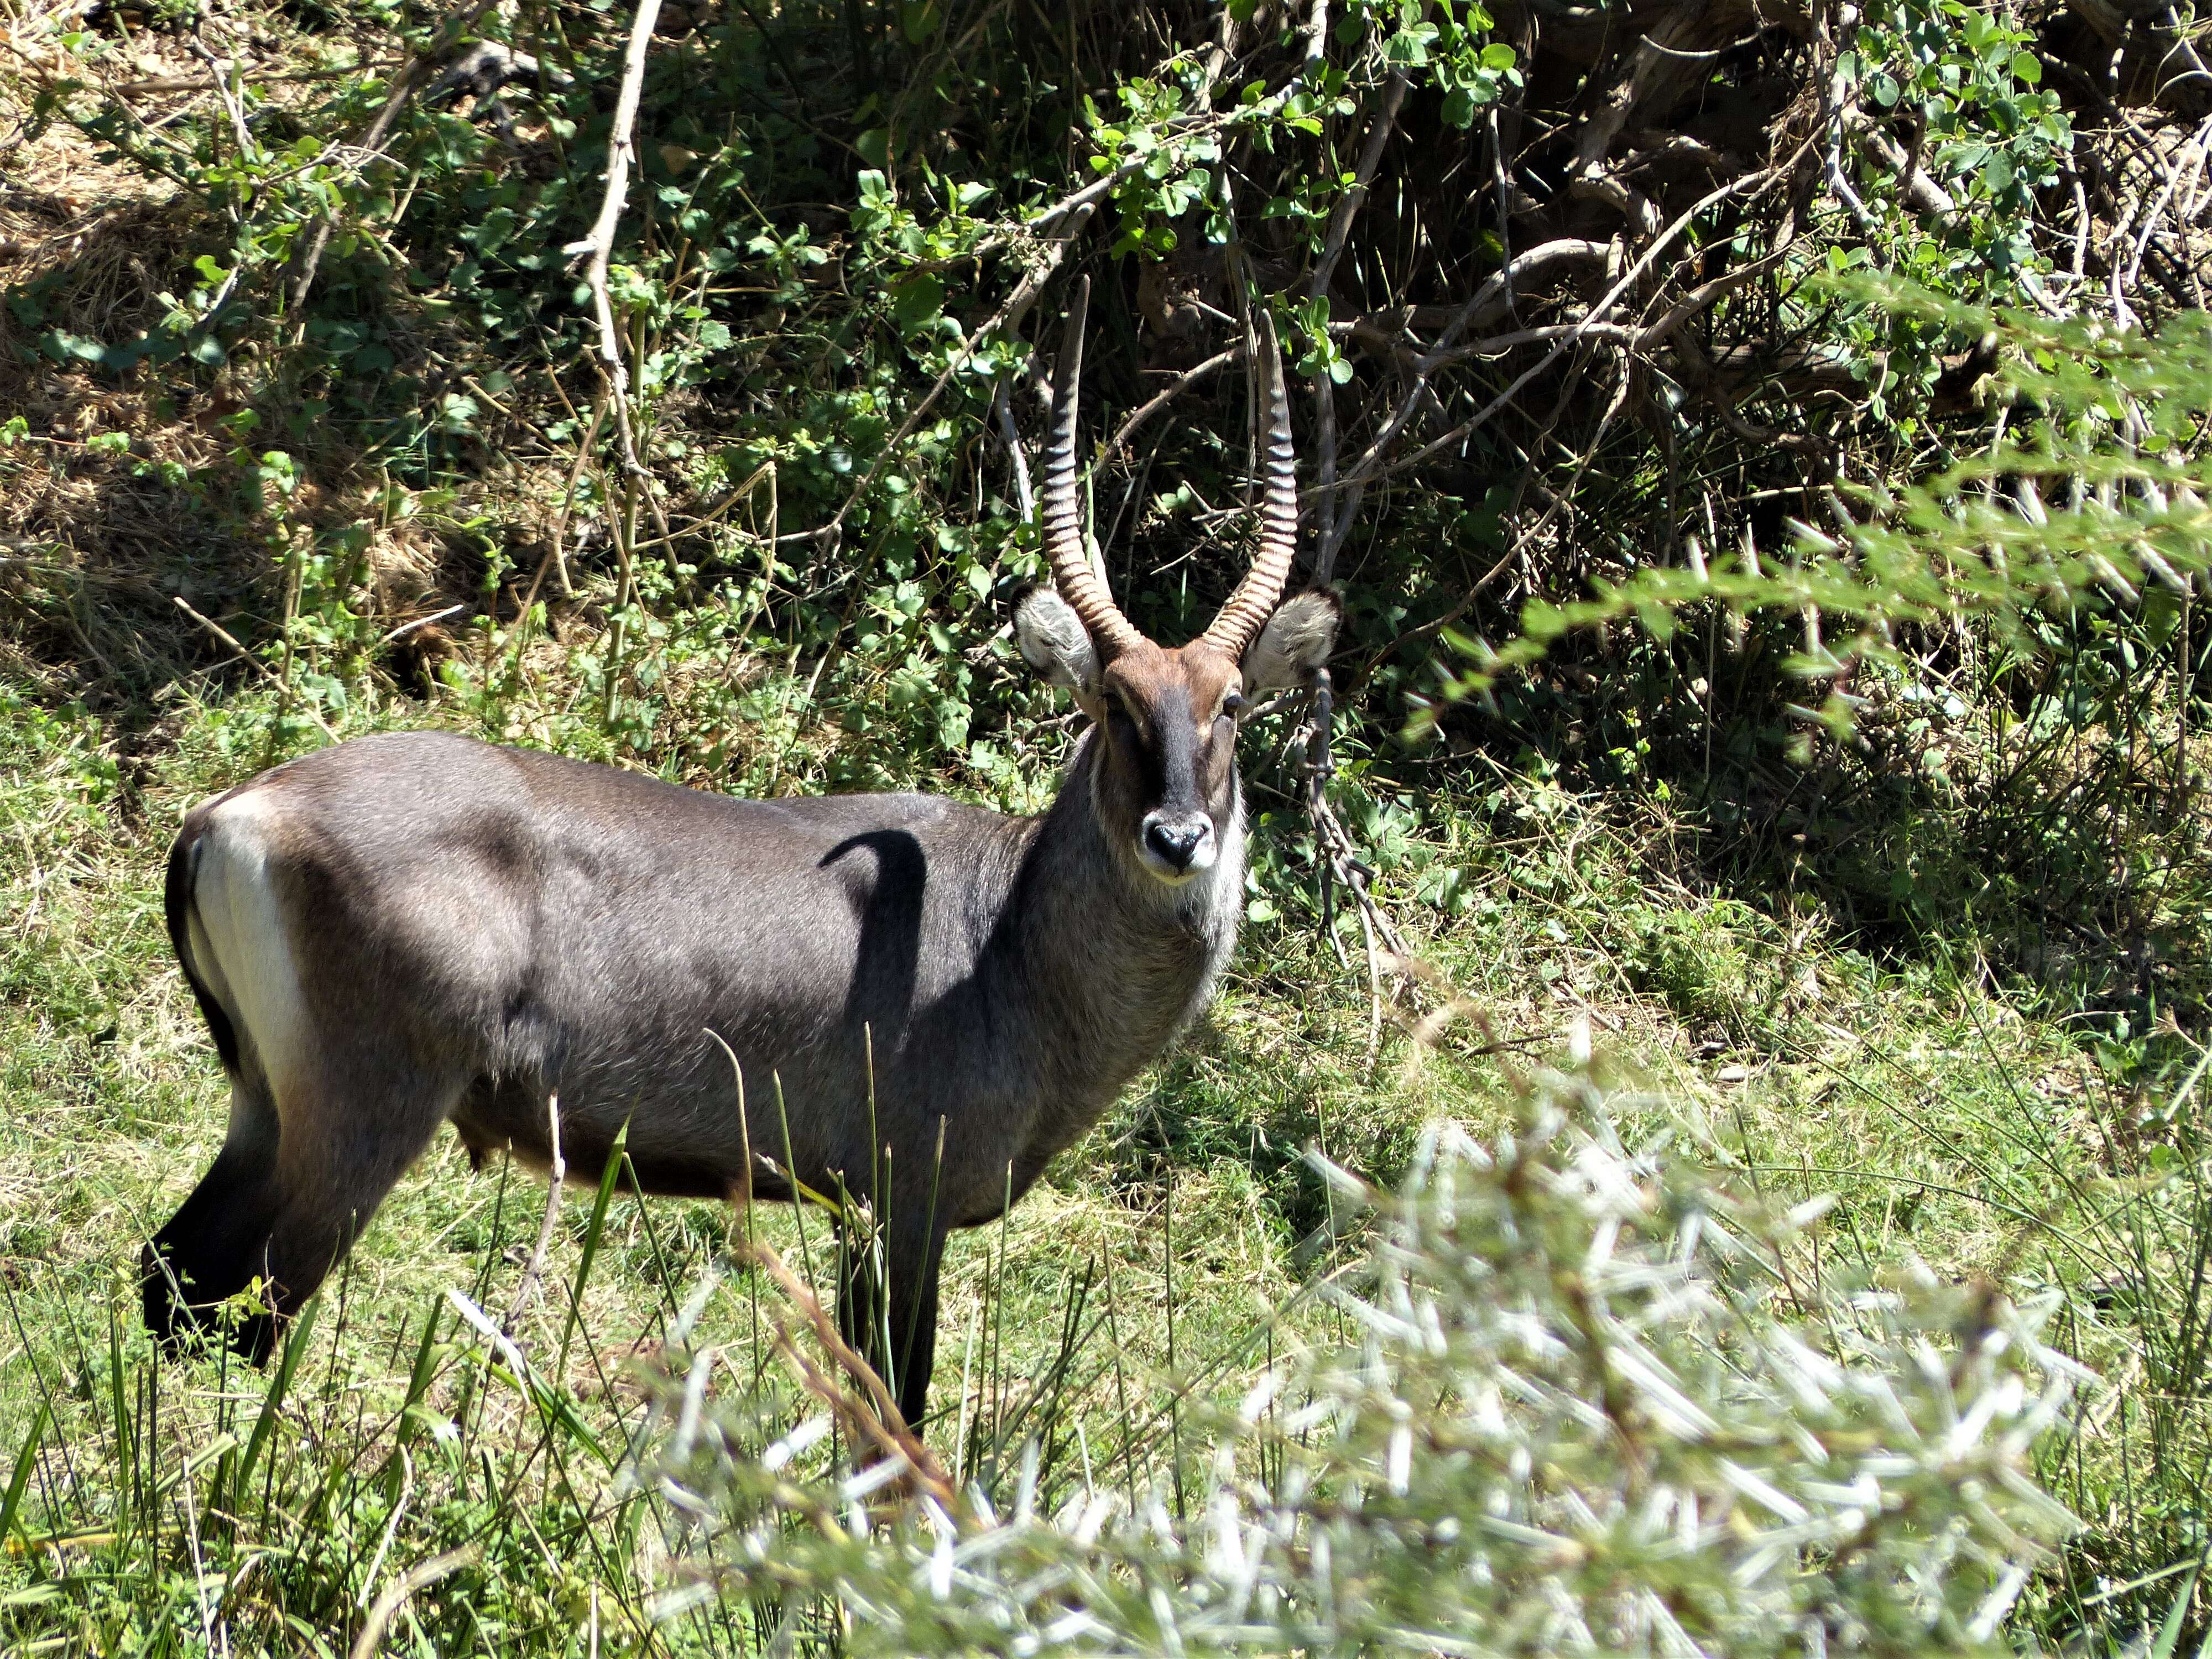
1296 642
1054 642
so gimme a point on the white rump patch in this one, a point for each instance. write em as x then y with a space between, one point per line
239 941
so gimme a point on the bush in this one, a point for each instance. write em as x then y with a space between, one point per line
1586 1398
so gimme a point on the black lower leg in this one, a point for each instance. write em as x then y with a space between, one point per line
211 1249
914 1330
892 1325
861 1300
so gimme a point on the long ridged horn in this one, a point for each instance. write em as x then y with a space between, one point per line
1079 581
1255 599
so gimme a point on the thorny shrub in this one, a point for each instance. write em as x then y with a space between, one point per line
1586 1397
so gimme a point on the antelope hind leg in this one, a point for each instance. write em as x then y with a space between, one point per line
213 1246
345 1141
290 1192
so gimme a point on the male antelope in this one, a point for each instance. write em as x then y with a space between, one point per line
410 928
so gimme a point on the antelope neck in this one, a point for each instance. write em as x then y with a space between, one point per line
1112 961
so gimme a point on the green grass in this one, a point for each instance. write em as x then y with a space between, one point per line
1951 971
1158 1267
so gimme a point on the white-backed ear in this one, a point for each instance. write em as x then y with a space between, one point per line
1055 643
1296 642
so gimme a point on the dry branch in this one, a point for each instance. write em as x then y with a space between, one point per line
871 1417
380 133
418 1577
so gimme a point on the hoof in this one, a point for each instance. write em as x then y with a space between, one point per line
176 1324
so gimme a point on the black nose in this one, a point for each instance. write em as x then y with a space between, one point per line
1176 842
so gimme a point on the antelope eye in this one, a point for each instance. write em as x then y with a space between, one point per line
1233 704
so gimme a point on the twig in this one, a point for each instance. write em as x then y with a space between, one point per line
166 83
1340 227
1831 156
1006 320
218 71
251 661
420 1576
1385 945
598 248
555 555
558 1170
1592 321
1504 186
1348 205
407 628
1923 191
1053 219
1160 400
1023 494
876 1417
1319 767
379 131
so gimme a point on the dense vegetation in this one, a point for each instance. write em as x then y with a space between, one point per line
1719 1071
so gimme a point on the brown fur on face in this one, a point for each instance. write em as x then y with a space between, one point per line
1168 720
1162 771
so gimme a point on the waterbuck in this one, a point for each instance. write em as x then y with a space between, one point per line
409 929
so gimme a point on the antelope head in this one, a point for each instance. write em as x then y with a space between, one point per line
1165 781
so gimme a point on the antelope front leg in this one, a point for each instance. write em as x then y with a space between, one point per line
893 1325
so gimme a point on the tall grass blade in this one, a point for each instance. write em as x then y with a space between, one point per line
126 1454
272 1401
2169 1635
593 1231
19 1482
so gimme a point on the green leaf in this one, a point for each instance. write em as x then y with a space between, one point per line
11 1501
61 345
917 302
921 20
2027 69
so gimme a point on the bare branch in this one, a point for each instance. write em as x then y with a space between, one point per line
598 248
1920 190
1340 226
526 1289
1594 321
1160 400
380 133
